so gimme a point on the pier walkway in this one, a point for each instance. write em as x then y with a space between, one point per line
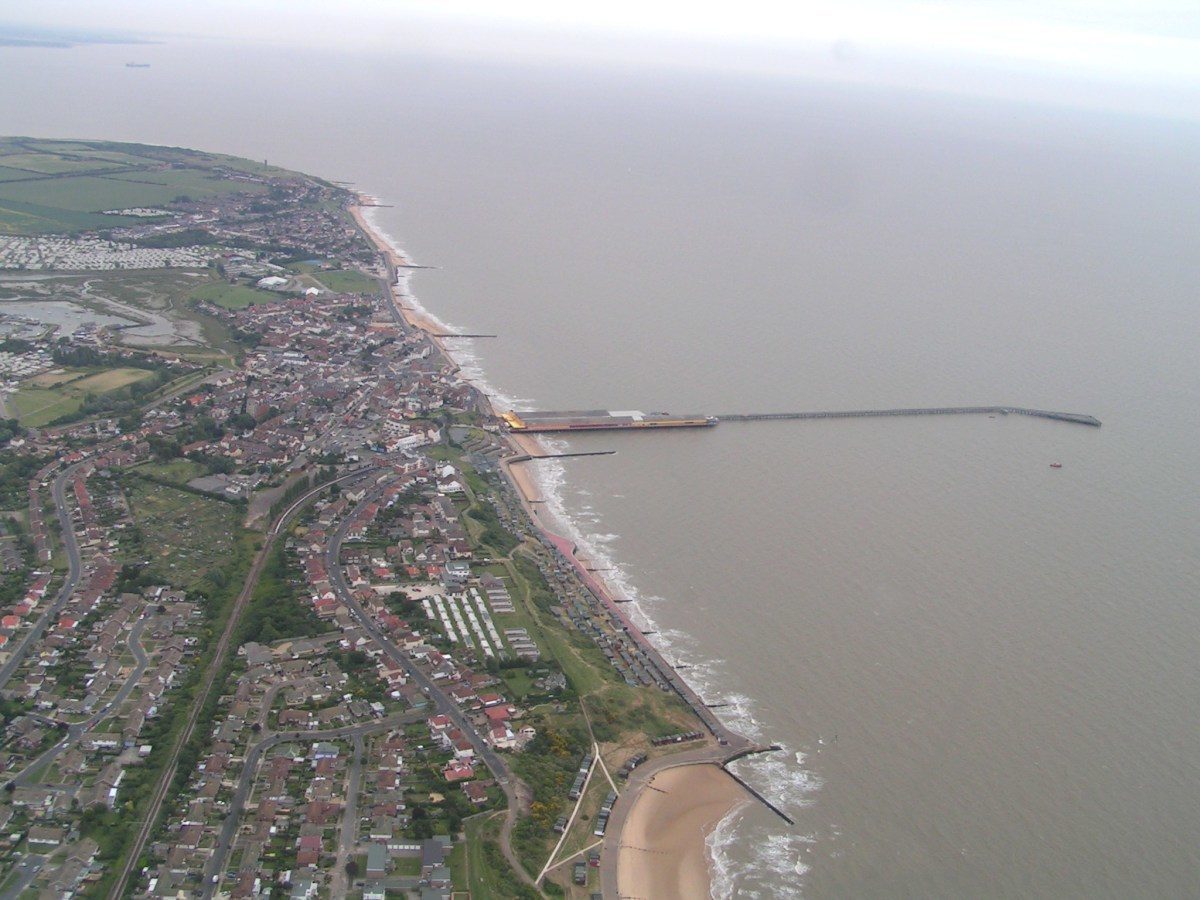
1077 418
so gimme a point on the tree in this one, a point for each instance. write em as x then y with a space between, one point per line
352 868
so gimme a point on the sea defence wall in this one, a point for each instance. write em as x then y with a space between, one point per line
1076 418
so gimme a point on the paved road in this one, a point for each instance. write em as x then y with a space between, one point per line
339 881
515 792
68 587
79 729
156 801
28 869
229 827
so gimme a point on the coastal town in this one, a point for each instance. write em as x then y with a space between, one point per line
279 619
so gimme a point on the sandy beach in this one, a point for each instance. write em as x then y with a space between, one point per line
519 473
663 852
412 316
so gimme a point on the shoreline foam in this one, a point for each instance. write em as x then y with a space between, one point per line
543 482
666 842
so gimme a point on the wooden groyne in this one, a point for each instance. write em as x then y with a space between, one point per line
1076 418
763 800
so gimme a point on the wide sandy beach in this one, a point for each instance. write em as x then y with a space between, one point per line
663 851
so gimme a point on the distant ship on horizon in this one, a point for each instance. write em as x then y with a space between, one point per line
137 65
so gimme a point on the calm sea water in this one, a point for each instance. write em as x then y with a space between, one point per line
983 670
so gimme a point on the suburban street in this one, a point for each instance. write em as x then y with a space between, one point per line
243 599
238 802
74 564
79 729
348 837
514 790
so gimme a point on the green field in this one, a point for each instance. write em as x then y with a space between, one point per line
232 296
38 403
347 281
483 866
63 186
34 218
97 193
178 471
38 406
8 174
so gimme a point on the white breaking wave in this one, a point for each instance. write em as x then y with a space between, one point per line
719 840
750 862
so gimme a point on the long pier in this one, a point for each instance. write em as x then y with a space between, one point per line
526 457
1077 418
567 421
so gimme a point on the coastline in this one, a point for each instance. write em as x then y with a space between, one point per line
664 849
674 817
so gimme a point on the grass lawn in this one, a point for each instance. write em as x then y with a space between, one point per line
46 397
232 296
347 281
109 380
179 471
49 379
615 707
581 835
37 406
518 682
407 865
487 872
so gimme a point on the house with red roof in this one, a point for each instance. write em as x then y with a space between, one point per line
458 770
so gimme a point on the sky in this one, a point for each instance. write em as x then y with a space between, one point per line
968 45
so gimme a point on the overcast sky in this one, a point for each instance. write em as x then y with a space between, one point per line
1146 43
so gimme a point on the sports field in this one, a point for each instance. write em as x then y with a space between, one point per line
232 296
44 398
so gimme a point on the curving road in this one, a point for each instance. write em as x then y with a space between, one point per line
216 864
514 791
243 599
79 729
74 571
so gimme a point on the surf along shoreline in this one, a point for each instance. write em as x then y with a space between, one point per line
656 844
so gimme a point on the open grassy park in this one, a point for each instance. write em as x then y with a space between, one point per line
232 296
347 281
46 397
